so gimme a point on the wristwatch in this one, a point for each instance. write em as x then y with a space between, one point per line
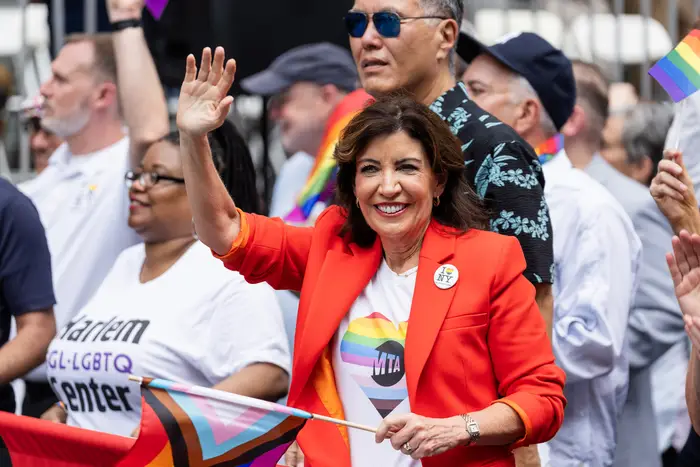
472 428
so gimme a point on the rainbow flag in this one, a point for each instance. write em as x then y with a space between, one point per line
199 427
679 71
321 182
550 148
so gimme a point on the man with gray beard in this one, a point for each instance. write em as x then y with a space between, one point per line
81 196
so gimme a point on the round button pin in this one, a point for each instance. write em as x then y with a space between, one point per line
446 276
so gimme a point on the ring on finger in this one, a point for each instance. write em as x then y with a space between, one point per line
407 447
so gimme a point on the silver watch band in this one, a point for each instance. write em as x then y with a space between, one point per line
472 428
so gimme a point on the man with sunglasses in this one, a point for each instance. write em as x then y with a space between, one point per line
410 45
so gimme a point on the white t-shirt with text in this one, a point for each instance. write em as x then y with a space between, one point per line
368 362
84 206
198 323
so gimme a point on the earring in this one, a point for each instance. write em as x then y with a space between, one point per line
357 202
436 201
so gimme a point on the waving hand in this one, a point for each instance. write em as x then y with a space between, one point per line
204 103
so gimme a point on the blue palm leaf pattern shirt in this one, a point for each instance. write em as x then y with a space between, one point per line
505 173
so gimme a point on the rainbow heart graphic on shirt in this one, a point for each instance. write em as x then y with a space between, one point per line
373 349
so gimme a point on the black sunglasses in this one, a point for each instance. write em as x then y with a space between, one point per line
148 179
387 23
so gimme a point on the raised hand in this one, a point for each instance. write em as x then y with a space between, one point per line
119 10
204 103
672 189
684 264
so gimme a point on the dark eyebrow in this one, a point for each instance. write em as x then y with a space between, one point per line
367 159
409 159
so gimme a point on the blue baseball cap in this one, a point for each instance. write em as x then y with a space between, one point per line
321 63
545 67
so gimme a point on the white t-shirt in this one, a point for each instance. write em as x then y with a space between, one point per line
198 323
369 367
84 206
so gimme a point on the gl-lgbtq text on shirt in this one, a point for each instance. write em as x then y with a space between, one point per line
112 359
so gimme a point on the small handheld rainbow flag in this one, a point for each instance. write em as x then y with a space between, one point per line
321 182
679 71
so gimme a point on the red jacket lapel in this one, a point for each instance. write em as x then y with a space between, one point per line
430 304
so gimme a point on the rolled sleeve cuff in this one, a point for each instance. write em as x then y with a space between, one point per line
524 417
239 242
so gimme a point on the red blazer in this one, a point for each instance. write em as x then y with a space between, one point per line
481 341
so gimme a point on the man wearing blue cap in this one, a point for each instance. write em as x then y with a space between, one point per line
530 85
305 84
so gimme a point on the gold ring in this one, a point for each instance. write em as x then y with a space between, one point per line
407 447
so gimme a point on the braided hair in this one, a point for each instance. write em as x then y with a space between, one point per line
234 163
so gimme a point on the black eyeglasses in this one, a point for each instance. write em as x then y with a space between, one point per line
148 179
387 23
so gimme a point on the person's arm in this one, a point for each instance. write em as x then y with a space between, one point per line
259 380
692 389
248 351
28 349
27 288
510 182
545 303
203 107
140 92
597 282
674 193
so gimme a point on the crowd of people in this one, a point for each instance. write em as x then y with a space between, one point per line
504 269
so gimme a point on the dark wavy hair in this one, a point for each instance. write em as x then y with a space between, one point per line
234 163
459 207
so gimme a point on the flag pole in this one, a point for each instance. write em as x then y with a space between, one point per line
344 423
678 126
314 416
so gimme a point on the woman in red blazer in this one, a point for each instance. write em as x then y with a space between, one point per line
410 319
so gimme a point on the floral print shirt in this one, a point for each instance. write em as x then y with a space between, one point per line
505 173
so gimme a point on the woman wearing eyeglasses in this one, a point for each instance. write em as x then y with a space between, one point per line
167 309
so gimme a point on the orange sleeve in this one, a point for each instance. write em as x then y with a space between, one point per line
532 385
268 250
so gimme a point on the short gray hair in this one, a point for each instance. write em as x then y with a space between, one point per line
451 8
521 89
644 131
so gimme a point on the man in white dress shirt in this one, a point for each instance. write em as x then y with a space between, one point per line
655 407
81 196
525 82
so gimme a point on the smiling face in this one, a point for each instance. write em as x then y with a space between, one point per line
395 186
160 212
411 61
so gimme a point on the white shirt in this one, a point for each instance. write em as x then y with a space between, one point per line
84 206
198 323
368 364
596 259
